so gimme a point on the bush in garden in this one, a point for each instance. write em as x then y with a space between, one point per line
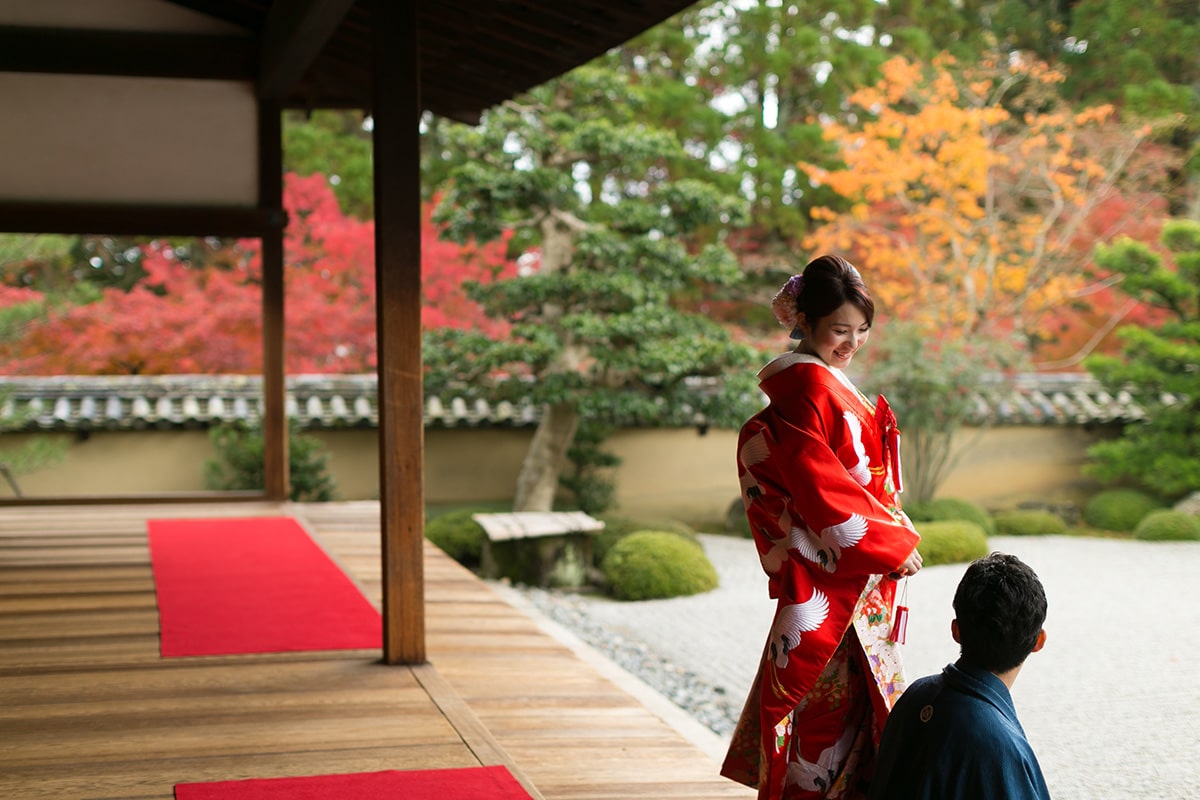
654 564
945 509
951 542
1168 525
1119 509
617 528
458 535
239 462
736 521
1029 522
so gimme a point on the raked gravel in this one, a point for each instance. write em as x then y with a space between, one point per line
1111 705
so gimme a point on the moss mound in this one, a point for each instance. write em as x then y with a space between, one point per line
458 536
1166 525
735 519
617 528
951 542
654 564
1029 522
945 509
1119 509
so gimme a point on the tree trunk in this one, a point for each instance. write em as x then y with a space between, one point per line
547 455
545 459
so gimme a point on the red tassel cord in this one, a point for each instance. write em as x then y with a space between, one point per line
886 419
900 618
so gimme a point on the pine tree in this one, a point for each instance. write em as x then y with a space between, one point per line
587 188
1160 367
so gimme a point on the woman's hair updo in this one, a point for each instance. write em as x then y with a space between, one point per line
827 283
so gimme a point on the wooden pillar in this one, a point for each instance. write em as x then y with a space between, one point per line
396 136
270 196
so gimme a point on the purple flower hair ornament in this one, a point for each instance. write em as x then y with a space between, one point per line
784 305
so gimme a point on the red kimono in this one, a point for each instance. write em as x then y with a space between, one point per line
818 469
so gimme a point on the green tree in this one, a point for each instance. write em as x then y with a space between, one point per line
336 144
1159 366
745 84
239 462
33 454
930 384
1144 56
17 307
586 186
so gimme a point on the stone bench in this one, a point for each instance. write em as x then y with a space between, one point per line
538 548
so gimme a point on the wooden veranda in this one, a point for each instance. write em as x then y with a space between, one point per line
219 74
88 708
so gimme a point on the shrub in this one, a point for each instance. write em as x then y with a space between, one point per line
617 528
951 542
458 535
1119 509
653 564
1029 522
945 509
735 519
239 462
1168 525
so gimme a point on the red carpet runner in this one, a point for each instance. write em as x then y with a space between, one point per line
484 783
253 585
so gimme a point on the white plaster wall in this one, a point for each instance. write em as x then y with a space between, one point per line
87 138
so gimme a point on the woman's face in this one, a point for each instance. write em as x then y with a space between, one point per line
836 337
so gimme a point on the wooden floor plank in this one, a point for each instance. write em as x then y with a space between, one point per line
90 709
573 732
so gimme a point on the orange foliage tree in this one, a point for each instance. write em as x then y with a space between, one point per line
966 191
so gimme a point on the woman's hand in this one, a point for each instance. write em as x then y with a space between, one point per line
911 566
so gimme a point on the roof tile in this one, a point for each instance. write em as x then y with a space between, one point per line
351 401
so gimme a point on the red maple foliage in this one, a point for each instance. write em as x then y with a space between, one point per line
446 266
183 318
1087 325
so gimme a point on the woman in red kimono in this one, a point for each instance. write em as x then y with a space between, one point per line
819 470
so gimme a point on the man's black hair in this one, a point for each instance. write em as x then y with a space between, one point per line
1000 606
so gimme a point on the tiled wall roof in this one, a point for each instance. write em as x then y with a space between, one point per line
350 401
188 401
1053 398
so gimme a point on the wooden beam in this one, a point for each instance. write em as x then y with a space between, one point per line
132 53
296 33
215 497
274 420
139 220
397 113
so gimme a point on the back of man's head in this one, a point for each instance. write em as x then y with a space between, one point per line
1000 606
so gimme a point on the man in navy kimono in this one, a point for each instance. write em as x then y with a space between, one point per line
955 735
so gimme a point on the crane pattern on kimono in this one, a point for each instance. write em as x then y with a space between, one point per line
825 549
861 471
792 622
753 452
819 775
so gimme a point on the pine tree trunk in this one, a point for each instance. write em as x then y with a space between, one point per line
544 462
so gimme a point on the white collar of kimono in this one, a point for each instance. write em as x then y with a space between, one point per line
790 358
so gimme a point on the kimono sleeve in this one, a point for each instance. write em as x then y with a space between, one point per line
846 530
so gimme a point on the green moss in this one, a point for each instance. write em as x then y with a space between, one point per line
736 521
951 542
1119 509
945 509
653 564
1167 525
1029 522
617 528
458 535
